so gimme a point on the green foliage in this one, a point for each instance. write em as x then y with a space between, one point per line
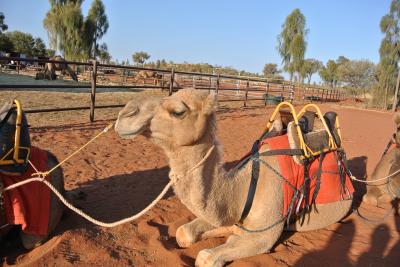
291 42
271 70
358 74
3 26
5 44
140 57
70 32
96 25
310 66
389 52
103 53
328 73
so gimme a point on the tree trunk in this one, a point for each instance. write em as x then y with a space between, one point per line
386 96
395 100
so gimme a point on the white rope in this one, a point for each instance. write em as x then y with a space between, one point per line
83 214
376 180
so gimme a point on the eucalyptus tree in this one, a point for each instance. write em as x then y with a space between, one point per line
310 66
97 25
140 57
390 52
3 25
292 42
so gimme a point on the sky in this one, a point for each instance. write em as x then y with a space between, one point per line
240 34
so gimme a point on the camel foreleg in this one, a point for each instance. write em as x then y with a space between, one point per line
239 246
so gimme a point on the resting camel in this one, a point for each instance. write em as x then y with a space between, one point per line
184 125
56 209
147 74
51 68
386 190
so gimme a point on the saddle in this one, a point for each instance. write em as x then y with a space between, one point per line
311 160
15 145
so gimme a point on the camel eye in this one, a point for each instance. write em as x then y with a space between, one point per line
178 114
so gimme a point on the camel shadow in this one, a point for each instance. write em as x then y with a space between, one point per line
358 167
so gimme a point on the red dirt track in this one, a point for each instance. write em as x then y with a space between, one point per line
115 178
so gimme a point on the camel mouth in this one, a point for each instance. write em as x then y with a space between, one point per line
128 133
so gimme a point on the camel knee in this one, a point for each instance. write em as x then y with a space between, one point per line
191 232
206 258
185 237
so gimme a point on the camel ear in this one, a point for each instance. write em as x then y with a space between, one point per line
210 103
397 119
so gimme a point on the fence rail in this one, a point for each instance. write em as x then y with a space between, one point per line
228 88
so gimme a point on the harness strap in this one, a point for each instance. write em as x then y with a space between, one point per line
289 152
318 182
255 171
3 220
391 142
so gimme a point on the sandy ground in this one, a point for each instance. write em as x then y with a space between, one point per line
115 178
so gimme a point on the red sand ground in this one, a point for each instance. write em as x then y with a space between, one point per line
116 178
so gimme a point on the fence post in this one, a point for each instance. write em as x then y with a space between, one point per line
93 93
162 82
266 93
247 91
171 82
283 90
291 93
217 85
193 82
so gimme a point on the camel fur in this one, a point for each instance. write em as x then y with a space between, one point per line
386 190
184 125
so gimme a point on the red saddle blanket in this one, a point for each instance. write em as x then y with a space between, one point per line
330 188
29 204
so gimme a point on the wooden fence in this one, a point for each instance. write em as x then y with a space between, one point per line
228 88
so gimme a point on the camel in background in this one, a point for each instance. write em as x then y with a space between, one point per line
386 190
184 125
51 68
147 74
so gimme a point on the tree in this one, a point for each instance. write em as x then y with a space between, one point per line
390 52
103 54
67 29
96 25
271 70
3 26
328 73
310 66
5 44
22 42
140 57
39 48
358 74
291 42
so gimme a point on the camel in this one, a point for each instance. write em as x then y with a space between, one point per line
147 74
51 68
387 190
30 241
184 126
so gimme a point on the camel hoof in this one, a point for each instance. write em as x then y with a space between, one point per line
205 258
32 241
184 238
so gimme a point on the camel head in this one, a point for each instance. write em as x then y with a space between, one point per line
182 119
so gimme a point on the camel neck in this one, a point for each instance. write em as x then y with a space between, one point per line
199 179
